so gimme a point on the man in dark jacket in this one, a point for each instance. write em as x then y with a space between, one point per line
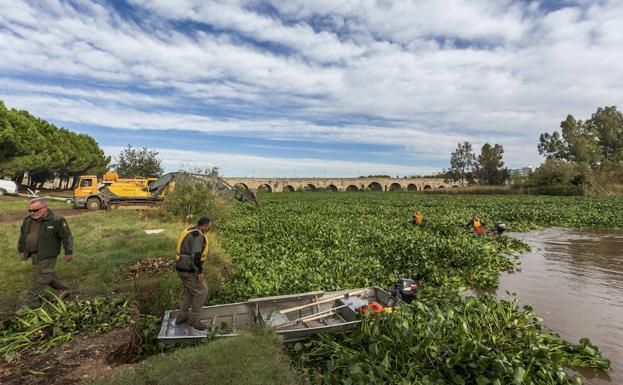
42 233
192 250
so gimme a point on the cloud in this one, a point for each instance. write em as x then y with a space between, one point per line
419 76
237 165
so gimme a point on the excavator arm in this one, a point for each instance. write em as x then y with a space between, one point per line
216 183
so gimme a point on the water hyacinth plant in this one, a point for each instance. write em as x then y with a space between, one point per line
442 338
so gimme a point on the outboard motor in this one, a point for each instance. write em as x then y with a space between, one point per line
499 228
404 289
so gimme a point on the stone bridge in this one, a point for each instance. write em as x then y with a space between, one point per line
338 184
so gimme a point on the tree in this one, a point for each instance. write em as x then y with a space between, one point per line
462 162
33 146
552 146
135 162
490 169
607 126
593 141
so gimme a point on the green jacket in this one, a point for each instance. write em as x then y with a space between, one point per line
52 232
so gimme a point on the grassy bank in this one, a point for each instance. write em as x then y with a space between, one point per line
106 244
251 359
109 245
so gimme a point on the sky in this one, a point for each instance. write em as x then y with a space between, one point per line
299 88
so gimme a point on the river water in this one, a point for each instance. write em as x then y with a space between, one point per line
574 280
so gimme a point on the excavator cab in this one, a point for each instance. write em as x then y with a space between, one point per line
87 185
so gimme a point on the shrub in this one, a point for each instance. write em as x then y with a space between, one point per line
559 189
190 201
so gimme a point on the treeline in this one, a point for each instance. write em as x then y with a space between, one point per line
34 147
584 157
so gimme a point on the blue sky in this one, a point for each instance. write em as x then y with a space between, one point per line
312 88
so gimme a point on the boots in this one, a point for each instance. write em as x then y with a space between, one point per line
198 326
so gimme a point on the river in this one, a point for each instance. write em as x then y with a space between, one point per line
574 280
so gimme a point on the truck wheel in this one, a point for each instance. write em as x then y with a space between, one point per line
93 204
2 192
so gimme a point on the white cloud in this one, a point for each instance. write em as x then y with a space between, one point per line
420 75
238 165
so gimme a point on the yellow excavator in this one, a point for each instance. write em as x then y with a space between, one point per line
112 192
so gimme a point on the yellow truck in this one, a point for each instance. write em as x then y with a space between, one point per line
111 192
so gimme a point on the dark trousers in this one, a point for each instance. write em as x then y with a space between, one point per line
195 294
43 276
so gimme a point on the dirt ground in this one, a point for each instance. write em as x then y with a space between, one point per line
86 358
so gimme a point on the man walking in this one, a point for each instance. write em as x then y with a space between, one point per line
192 250
41 235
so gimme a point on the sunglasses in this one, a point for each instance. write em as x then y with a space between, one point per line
35 210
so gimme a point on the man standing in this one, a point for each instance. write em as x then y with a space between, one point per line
40 239
192 250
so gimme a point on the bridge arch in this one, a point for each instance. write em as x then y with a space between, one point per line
395 187
331 188
441 186
241 187
352 188
455 186
427 187
375 186
310 188
265 188
412 187
287 188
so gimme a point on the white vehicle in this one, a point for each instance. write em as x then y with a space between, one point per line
7 187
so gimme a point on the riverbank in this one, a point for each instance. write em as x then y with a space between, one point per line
114 257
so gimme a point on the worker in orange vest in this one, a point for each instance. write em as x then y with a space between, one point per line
418 219
477 225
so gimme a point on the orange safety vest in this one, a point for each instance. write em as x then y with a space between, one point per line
419 219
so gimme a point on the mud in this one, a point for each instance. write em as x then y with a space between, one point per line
84 359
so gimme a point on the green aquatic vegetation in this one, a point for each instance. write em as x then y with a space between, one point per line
57 322
311 241
302 242
442 338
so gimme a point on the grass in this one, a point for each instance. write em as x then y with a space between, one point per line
104 244
250 359
9 204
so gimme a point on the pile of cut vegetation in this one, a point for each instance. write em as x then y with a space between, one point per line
148 266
